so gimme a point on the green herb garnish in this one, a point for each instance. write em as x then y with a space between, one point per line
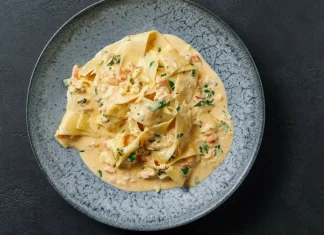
200 103
178 108
163 74
185 171
120 151
179 135
159 172
210 102
81 151
101 104
132 157
152 62
209 92
193 72
158 105
157 135
84 100
66 83
203 149
217 150
224 126
111 62
171 85
116 59
96 90
100 173
159 49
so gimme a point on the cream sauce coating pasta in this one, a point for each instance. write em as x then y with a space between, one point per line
147 113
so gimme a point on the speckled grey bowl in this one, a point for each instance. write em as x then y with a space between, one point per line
77 42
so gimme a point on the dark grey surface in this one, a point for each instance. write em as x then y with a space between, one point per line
283 194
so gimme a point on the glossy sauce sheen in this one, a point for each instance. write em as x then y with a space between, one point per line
127 177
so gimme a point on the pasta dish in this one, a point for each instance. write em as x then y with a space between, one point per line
147 113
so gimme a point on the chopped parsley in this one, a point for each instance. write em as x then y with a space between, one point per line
159 172
100 173
224 126
209 92
159 49
81 151
84 100
178 108
204 100
210 102
171 85
193 72
163 74
66 83
96 90
185 171
158 105
217 150
120 151
111 62
200 103
157 135
132 157
101 104
161 66
152 62
179 135
203 149
116 59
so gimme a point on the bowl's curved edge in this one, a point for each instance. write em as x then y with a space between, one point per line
201 214
27 104
247 170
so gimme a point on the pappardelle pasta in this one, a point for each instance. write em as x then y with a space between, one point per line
147 113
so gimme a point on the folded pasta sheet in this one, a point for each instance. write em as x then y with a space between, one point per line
147 113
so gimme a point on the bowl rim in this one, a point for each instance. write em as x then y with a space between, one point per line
196 216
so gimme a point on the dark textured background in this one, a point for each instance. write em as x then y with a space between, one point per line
284 192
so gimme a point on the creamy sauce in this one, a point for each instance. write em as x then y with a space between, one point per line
201 147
